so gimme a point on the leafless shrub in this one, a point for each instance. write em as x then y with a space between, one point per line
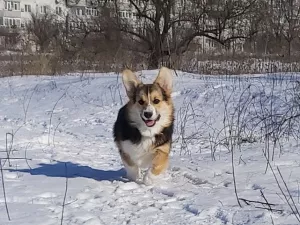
51 115
65 195
8 146
258 115
4 190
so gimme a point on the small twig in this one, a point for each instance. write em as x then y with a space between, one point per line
4 192
241 160
221 202
272 220
262 194
25 108
55 132
12 150
66 190
252 201
297 214
282 192
15 158
234 180
276 210
26 160
69 203
8 149
247 202
298 192
51 115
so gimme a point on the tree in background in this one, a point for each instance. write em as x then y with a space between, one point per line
43 29
290 19
165 27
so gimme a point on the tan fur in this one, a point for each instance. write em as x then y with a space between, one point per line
160 159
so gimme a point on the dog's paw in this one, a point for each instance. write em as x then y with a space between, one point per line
133 174
149 178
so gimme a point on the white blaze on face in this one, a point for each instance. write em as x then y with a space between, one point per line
150 109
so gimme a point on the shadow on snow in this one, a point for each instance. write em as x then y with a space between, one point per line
73 170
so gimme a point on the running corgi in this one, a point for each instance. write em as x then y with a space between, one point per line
144 127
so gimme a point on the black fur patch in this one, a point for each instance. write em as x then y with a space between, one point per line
123 130
165 136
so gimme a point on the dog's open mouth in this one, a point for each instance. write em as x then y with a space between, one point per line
151 123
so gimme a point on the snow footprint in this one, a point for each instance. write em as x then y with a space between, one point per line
195 180
129 186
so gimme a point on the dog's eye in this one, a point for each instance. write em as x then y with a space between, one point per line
141 102
156 101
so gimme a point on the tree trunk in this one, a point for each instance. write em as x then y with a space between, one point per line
42 47
289 48
153 60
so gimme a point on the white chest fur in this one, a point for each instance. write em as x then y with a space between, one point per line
141 154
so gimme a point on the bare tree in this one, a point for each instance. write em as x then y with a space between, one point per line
42 28
165 27
281 25
291 18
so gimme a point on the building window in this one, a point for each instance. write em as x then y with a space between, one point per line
58 10
88 12
71 26
12 22
91 12
43 9
82 25
126 14
8 5
211 43
27 8
16 6
79 12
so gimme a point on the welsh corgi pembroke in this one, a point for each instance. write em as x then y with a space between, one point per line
144 126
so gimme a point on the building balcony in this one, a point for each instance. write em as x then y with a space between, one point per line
10 13
72 3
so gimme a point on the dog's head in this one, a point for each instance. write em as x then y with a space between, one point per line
150 106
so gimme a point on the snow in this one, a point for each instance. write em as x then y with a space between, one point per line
62 130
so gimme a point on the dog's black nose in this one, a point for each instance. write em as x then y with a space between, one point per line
148 114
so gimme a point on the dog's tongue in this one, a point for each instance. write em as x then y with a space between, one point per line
150 123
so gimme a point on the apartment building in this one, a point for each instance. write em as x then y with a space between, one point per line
14 14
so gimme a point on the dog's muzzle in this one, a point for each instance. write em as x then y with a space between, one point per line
149 122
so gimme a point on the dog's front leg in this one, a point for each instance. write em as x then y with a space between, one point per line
132 170
159 163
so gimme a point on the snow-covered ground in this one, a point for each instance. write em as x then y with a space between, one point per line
63 153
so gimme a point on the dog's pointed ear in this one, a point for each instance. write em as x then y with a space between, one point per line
130 82
165 80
